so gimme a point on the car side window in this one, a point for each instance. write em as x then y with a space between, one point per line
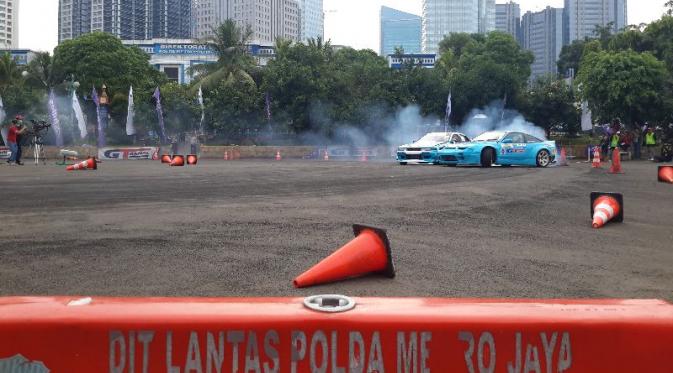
531 139
512 138
465 138
456 139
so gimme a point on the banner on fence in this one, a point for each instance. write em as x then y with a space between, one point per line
114 153
5 153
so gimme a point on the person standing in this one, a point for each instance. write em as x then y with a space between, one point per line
637 141
13 138
650 142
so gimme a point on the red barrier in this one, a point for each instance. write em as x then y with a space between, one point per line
377 335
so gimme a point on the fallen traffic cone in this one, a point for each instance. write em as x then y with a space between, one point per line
606 207
563 159
278 157
666 174
192 159
326 156
89 164
596 162
178 160
166 158
616 167
368 252
226 156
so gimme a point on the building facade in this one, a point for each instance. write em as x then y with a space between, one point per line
175 57
508 20
311 20
582 17
268 19
443 17
543 35
398 62
9 24
126 19
400 30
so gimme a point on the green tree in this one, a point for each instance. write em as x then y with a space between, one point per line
623 84
18 97
570 57
550 104
234 62
98 58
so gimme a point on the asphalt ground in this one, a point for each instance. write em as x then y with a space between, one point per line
247 228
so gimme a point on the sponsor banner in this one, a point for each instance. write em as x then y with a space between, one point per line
377 335
5 153
116 153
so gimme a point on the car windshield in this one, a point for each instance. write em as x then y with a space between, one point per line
488 136
433 138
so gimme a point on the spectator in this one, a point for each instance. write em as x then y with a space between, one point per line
637 141
650 142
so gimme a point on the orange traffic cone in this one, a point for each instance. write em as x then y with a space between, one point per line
326 156
368 252
192 159
237 154
616 167
666 174
363 156
226 156
178 160
563 159
89 164
165 158
606 207
596 162
278 157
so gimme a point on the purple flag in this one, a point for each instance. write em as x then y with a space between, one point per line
160 116
99 122
53 115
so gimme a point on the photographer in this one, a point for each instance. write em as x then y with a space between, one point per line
13 138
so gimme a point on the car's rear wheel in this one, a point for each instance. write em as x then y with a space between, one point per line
487 157
543 158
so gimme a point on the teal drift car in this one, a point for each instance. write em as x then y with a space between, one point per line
496 147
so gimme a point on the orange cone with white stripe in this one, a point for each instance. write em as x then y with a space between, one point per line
563 158
89 164
226 156
326 156
666 174
596 162
278 157
368 252
606 207
616 167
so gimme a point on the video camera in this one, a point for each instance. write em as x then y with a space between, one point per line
39 126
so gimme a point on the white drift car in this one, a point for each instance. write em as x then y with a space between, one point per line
413 153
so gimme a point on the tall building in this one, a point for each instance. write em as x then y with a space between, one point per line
543 35
508 20
268 19
311 20
126 19
400 30
443 17
582 17
9 24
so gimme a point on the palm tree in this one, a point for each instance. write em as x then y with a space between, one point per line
40 70
233 63
10 72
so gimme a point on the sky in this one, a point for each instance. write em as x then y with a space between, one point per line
347 22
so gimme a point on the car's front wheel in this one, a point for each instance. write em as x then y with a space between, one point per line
543 158
403 163
487 157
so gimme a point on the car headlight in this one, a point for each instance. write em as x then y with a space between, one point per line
401 149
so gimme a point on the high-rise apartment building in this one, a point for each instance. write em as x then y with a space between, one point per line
9 24
311 20
508 20
126 19
400 30
582 17
268 19
543 35
443 17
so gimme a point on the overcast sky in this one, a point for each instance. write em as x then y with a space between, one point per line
347 22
